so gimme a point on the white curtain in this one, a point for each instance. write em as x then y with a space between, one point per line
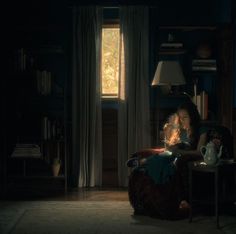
133 116
86 97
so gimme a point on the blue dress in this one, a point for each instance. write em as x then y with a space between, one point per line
160 168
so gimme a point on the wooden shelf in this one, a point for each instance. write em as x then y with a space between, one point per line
194 72
167 96
172 52
41 28
188 27
46 49
29 177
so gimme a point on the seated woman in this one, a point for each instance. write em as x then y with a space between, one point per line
192 137
184 137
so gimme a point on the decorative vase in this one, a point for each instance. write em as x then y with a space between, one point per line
56 165
56 169
204 51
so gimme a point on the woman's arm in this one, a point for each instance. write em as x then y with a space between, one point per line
202 141
195 153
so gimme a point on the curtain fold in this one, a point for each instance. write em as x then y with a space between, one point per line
133 116
86 97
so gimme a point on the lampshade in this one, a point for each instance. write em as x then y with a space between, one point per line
168 73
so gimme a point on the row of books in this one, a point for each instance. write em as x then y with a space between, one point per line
171 46
51 129
197 64
26 150
201 101
204 65
22 60
44 82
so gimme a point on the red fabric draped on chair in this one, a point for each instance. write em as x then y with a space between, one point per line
148 198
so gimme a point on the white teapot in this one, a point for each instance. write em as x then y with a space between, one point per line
210 156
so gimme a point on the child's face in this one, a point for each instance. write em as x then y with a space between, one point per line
184 119
174 119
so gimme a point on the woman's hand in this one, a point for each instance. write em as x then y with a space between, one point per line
172 148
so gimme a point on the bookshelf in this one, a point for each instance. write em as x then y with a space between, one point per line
196 48
36 117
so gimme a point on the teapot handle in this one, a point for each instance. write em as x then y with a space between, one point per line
203 149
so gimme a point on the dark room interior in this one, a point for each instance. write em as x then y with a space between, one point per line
71 122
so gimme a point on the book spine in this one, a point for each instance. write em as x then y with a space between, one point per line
204 105
45 126
204 68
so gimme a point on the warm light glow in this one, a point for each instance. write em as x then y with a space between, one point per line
172 130
110 61
122 70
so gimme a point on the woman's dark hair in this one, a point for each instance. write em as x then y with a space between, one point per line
195 120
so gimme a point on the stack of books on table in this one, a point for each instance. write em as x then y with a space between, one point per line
171 46
26 151
204 65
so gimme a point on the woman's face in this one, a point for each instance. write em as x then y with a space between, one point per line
184 119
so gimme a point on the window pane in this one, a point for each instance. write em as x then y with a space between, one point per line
110 61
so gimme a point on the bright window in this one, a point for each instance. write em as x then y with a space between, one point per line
110 61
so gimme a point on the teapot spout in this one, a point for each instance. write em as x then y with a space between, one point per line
220 152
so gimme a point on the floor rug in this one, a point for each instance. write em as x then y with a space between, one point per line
97 217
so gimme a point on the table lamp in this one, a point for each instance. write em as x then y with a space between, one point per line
168 73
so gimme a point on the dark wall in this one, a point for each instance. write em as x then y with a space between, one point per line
29 23
49 22
56 16
234 25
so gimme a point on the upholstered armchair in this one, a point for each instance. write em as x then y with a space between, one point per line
162 200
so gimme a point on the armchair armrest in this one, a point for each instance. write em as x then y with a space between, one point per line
145 153
137 157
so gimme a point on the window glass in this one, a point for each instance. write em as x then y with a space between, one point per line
110 61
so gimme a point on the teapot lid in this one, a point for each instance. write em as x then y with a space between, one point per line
210 143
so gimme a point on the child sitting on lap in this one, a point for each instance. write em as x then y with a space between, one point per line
172 130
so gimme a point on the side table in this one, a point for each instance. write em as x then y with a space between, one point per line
218 171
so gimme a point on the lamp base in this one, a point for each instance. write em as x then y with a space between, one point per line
170 90
166 89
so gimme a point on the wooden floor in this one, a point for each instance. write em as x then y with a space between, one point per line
94 194
78 194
